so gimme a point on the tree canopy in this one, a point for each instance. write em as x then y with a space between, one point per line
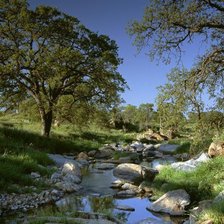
167 25
46 54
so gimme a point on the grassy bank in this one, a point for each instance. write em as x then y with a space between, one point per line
23 151
206 182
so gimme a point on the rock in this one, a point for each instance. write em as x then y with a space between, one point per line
191 164
60 159
134 173
71 167
126 159
158 137
70 177
104 153
216 149
168 148
92 153
125 194
68 187
83 155
144 186
173 203
35 175
195 212
183 156
55 177
117 184
153 221
125 208
104 166
137 146
219 197
128 186
82 163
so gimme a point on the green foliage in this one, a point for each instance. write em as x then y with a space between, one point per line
46 54
201 184
167 25
214 213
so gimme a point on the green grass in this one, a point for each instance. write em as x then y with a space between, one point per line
214 213
23 149
203 183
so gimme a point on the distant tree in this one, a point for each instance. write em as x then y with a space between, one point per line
145 116
167 25
46 54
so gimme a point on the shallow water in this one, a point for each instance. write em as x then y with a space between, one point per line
97 196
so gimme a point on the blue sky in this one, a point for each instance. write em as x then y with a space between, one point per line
111 17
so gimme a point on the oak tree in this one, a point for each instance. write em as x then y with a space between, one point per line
167 25
46 54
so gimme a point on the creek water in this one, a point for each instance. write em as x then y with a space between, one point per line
98 196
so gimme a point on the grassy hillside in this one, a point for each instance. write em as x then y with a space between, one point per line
23 150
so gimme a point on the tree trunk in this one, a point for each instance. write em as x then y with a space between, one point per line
46 118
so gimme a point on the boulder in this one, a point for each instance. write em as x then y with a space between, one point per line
195 212
191 164
128 186
69 177
83 155
125 208
216 149
104 153
92 153
104 166
158 137
173 203
117 184
168 148
134 173
71 167
68 187
153 221
125 194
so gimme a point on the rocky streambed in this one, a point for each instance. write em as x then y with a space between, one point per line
94 184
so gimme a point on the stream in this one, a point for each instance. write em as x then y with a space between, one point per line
98 196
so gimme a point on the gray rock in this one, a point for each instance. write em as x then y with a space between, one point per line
35 175
55 177
125 194
117 184
168 148
69 177
68 187
92 153
134 173
104 153
191 164
153 221
125 208
173 203
83 155
82 163
104 166
71 167
60 159
219 197
128 186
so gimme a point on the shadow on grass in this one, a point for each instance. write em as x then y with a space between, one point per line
56 144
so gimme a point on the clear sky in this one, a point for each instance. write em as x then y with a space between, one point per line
111 17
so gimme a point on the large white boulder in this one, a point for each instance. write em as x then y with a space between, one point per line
173 203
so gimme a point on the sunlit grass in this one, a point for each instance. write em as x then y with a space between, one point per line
203 183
